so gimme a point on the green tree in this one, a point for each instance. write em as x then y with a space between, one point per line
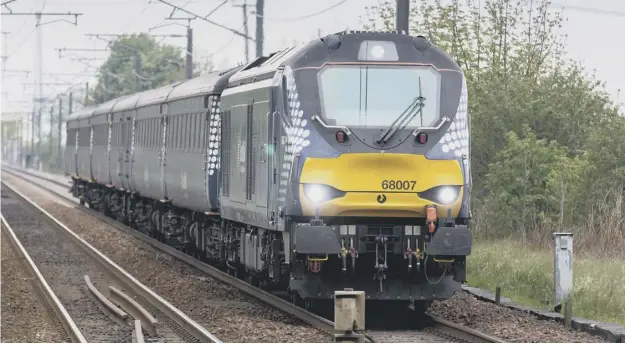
529 104
518 180
158 65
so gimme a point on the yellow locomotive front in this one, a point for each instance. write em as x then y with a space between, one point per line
377 168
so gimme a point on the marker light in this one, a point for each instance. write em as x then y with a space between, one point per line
422 138
340 136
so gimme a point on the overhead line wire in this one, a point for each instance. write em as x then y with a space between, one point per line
589 9
306 16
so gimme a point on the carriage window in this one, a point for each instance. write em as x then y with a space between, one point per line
141 132
142 128
202 125
157 132
177 132
198 131
374 96
148 134
154 133
191 131
185 132
195 128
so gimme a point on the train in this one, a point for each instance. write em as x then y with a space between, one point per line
341 162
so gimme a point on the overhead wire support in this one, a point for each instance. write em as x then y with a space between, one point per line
15 71
60 50
260 34
189 50
39 14
85 73
205 18
245 30
7 7
39 66
402 16
128 35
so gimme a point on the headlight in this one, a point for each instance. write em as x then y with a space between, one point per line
444 195
318 193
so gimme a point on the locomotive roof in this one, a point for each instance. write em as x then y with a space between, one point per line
266 64
212 82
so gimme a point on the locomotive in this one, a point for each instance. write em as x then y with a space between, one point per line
343 162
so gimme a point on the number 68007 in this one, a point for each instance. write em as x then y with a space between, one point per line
399 184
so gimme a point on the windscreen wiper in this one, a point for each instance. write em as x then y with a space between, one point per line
404 118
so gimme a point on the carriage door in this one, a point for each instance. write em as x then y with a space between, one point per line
126 144
109 131
75 161
91 150
131 160
122 151
163 148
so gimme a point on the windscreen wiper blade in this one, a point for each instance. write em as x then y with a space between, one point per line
404 118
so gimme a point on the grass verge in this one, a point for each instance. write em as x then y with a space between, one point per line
526 276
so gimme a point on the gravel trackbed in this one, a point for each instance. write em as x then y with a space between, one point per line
24 315
225 311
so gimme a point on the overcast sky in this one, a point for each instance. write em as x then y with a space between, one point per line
593 36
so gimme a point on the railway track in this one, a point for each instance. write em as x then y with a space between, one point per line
53 307
73 266
436 329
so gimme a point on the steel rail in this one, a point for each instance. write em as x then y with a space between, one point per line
120 274
462 332
456 330
44 288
